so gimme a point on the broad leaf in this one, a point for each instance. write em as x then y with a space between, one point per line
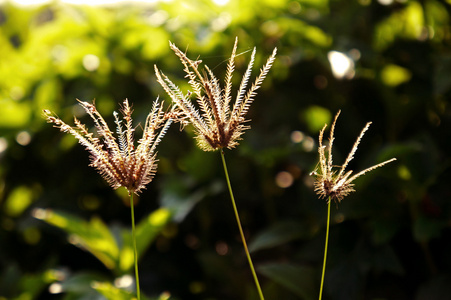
92 235
298 279
278 234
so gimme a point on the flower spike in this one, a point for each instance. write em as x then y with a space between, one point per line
217 124
116 158
329 183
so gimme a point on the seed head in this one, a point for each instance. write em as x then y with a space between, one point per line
337 184
218 125
115 156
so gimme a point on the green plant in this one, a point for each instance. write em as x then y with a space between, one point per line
116 159
217 125
332 185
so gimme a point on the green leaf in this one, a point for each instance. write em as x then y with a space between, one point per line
425 228
146 232
278 234
394 75
18 200
111 292
93 236
297 279
14 114
81 283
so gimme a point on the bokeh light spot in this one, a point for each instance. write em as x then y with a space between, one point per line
124 282
3 144
91 62
342 65
284 179
23 138
220 2
221 248
55 288
297 136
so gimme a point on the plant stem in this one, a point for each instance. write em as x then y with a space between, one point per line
254 274
325 250
135 251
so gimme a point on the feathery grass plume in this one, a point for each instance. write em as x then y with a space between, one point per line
336 184
218 125
329 182
117 159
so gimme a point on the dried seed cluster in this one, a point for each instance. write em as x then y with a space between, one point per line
217 125
117 159
329 182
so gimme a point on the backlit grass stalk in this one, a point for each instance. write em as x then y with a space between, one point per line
336 184
218 123
325 251
135 251
115 156
243 238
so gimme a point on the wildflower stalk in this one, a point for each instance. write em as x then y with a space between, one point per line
325 250
232 198
135 251
336 186
115 157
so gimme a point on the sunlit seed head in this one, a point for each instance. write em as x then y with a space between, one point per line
337 184
218 123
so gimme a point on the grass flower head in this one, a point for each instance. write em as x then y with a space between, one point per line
337 184
116 158
218 125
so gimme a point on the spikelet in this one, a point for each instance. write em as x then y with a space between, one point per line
217 124
329 182
116 159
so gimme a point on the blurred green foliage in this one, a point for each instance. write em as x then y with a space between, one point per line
389 240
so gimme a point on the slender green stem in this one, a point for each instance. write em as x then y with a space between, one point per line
254 274
325 250
135 251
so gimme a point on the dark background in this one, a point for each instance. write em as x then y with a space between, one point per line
391 239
